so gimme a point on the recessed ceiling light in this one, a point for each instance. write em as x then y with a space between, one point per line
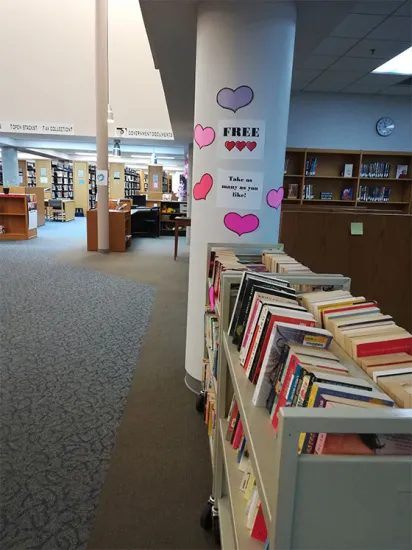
401 64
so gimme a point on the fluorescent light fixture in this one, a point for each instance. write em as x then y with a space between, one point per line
110 115
401 64
166 158
83 153
140 157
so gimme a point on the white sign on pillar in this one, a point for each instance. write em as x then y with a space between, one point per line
241 139
239 190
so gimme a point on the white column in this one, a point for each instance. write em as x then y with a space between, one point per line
10 166
248 45
189 188
102 138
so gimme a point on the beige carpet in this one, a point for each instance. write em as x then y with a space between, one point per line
160 475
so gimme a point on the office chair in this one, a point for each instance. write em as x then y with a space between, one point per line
152 222
56 210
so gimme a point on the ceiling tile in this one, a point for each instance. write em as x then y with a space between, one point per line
397 90
358 64
377 7
302 77
357 26
405 10
331 81
373 83
393 28
383 49
318 62
334 46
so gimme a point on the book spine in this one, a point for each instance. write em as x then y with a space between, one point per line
277 379
232 423
255 344
239 433
250 327
384 347
263 384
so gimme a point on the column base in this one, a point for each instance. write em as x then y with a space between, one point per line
192 384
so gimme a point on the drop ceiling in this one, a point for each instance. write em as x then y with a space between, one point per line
338 44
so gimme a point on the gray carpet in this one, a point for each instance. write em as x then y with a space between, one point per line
69 340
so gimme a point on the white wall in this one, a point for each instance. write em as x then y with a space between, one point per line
47 65
347 121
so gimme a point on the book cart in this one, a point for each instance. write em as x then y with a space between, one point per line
309 502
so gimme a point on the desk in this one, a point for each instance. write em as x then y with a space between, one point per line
68 206
180 222
145 221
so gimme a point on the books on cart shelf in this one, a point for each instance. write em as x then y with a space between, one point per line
253 515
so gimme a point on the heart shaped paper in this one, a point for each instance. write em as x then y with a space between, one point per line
202 188
204 136
212 298
274 197
234 100
241 224
251 145
240 145
229 145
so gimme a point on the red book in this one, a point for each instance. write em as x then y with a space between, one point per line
238 435
384 346
259 529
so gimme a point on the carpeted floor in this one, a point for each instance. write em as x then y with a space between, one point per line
62 417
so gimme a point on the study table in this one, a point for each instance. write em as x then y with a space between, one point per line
179 222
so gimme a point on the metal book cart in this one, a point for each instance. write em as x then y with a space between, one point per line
309 502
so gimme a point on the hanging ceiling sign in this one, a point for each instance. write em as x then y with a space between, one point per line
137 133
50 128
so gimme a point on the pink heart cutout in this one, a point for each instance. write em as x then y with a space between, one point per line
212 298
241 224
204 136
275 197
202 188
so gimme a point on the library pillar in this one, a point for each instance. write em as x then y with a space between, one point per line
102 134
244 65
10 166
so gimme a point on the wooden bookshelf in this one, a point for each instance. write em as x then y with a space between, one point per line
14 217
120 232
39 192
304 188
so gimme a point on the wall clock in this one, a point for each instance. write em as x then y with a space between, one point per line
385 126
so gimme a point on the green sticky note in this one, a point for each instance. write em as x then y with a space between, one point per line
356 228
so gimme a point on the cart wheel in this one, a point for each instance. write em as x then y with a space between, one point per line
215 525
200 402
206 516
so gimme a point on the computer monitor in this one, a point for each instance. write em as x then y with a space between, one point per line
139 200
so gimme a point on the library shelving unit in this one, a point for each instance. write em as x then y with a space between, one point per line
62 180
92 186
31 174
372 180
131 182
14 217
325 502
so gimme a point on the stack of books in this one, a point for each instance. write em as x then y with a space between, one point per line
210 405
373 340
311 164
375 170
254 519
284 339
374 194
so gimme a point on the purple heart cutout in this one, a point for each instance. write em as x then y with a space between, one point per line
241 224
234 100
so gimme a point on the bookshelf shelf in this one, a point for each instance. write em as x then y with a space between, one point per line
12 214
293 176
234 476
400 180
330 178
393 203
328 200
225 524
